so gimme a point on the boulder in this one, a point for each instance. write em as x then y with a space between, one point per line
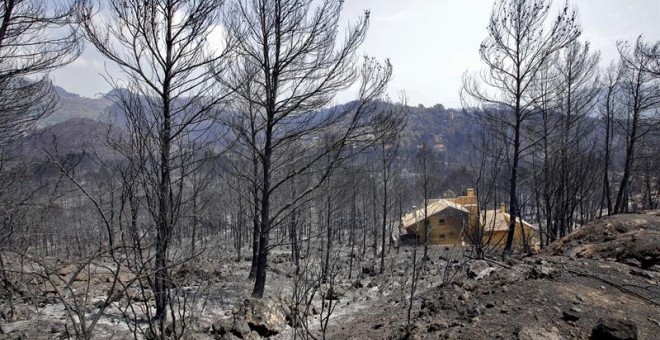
478 269
539 333
241 328
543 271
572 314
610 328
222 326
19 313
66 270
265 316
15 335
438 325
140 295
236 328
369 270
337 291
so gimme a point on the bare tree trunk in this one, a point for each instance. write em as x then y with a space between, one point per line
513 186
265 223
352 232
328 230
384 222
161 284
255 219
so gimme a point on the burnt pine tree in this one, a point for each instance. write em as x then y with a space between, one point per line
27 55
641 98
167 96
390 123
519 44
288 67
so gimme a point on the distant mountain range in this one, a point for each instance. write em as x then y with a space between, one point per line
444 130
72 105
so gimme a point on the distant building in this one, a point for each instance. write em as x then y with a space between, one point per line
459 221
446 222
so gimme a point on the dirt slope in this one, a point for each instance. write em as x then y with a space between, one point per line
607 269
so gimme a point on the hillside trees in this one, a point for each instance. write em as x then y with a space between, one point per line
35 38
389 123
609 110
641 98
520 43
167 99
568 145
288 66
426 165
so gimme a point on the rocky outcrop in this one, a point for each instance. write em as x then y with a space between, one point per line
630 239
610 328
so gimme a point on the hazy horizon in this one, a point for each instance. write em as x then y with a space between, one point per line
431 43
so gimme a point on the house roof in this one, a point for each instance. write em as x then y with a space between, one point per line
434 206
495 220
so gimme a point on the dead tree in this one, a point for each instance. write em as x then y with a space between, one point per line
487 165
27 56
287 67
519 44
572 139
426 164
390 122
641 99
609 109
26 95
167 98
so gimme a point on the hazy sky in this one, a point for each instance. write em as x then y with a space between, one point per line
431 43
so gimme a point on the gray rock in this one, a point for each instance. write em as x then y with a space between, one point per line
15 335
19 313
64 271
543 271
266 316
478 269
438 326
241 327
252 336
571 314
221 326
610 328
539 333
140 295
337 291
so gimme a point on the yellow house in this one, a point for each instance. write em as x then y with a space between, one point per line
446 222
459 221
494 229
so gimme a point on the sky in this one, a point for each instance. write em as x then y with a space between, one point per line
430 43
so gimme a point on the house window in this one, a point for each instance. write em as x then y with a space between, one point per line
442 221
442 237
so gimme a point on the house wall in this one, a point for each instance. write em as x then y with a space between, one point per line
498 238
448 232
469 202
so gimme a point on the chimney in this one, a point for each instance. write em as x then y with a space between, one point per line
470 192
502 208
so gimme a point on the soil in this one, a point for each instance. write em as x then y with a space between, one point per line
606 269
602 270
